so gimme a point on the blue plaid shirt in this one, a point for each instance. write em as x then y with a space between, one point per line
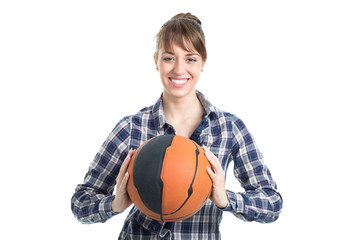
223 133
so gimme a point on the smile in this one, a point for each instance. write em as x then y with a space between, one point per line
179 82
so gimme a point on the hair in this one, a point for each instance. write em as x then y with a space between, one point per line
184 29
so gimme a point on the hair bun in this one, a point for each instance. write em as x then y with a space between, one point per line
188 16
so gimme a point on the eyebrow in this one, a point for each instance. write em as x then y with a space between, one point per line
189 54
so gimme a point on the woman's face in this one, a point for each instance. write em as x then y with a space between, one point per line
179 70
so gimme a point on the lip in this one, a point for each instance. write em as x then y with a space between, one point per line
180 82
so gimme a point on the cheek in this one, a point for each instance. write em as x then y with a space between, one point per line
195 69
164 68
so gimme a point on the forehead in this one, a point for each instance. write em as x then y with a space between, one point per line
177 48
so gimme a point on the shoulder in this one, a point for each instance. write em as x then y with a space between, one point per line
145 117
229 119
223 118
235 128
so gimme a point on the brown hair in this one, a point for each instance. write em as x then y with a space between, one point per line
185 30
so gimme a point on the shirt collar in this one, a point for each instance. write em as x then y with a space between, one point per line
210 110
159 116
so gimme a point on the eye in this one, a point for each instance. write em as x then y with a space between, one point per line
191 60
168 59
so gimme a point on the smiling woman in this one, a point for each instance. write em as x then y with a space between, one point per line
179 71
184 30
181 110
180 55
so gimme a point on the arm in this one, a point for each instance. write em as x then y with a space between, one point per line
92 200
260 202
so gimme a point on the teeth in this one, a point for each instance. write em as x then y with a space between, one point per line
178 81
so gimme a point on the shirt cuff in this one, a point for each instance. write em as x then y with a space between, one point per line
236 203
105 207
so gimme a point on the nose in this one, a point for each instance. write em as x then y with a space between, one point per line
179 68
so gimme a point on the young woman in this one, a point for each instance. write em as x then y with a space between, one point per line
180 58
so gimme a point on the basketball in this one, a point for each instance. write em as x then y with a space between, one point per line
168 179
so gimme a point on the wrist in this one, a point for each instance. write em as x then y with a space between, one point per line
114 206
223 205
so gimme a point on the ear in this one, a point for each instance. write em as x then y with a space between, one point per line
156 61
203 65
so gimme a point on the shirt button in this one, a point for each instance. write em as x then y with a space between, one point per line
164 232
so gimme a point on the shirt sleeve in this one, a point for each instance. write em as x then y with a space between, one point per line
260 202
91 201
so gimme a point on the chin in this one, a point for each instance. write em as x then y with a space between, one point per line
179 93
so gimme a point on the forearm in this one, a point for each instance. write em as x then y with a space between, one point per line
259 205
91 207
91 201
260 202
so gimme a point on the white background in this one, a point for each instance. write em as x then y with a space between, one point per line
70 70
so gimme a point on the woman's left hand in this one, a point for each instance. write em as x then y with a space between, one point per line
217 175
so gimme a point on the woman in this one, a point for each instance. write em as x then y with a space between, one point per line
180 58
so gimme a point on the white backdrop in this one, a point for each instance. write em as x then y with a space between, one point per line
70 70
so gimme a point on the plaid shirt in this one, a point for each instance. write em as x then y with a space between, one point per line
223 133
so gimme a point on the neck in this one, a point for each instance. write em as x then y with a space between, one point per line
180 108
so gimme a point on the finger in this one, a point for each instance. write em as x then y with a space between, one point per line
124 183
208 152
127 160
215 164
211 165
214 160
211 154
210 159
124 166
210 173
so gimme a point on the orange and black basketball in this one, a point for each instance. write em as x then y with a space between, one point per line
168 179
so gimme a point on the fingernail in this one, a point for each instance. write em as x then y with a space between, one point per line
126 174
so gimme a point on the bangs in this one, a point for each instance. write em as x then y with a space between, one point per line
185 35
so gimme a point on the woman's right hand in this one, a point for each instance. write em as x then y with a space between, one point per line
122 200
